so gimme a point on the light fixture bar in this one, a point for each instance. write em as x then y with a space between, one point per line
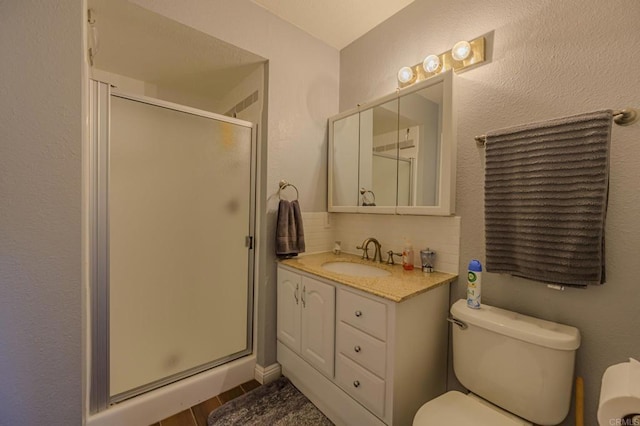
447 62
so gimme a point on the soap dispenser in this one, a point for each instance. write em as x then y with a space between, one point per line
426 260
407 255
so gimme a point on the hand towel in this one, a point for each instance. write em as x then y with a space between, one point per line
546 189
289 229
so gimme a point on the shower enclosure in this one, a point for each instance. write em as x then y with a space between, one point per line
172 225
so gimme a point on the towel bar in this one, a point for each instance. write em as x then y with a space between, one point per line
624 117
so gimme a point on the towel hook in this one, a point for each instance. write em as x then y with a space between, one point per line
283 184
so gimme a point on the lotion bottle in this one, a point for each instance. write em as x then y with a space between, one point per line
407 256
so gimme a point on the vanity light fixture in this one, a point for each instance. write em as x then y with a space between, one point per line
461 57
405 75
431 63
461 50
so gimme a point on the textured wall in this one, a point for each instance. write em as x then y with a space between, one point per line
302 93
550 59
40 219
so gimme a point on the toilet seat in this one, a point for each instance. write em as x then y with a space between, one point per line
456 408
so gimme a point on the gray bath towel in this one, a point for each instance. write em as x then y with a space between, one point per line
289 229
546 188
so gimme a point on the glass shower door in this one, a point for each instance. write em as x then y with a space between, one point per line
180 213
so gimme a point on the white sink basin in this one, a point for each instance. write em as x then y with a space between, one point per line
355 269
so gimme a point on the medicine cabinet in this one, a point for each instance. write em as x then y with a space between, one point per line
396 154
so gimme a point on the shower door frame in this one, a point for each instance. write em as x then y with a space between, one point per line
99 127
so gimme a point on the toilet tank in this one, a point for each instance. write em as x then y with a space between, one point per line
520 363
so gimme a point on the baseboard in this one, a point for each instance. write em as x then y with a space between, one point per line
268 374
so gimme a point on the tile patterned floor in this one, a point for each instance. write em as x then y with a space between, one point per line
197 415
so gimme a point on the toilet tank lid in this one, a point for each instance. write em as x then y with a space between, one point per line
522 327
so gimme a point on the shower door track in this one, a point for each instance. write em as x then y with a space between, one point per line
99 112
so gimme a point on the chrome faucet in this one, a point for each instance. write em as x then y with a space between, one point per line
377 254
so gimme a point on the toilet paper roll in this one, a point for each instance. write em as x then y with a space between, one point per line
620 395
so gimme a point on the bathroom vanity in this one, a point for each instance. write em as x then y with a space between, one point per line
364 349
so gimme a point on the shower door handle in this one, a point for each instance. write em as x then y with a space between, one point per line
295 293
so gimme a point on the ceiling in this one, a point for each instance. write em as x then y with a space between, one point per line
137 43
336 22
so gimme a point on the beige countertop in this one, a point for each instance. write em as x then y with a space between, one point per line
399 286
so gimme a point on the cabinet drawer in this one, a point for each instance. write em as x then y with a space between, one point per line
365 350
363 386
363 313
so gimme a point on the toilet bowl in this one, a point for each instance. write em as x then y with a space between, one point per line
519 370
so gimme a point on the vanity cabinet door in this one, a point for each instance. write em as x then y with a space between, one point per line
318 324
289 309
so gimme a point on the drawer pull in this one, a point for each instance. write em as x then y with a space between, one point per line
357 348
358 313
356 384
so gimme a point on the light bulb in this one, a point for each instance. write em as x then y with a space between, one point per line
405 75
461 50
431 63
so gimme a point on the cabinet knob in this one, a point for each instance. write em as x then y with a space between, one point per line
358 313
357 348
356 384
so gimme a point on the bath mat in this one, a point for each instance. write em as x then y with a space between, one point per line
277 403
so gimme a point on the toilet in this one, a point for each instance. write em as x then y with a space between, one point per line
518 369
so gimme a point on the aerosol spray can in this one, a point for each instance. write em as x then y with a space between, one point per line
474 284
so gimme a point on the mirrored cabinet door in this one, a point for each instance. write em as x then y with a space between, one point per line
419 147
426 124
343 164
378 175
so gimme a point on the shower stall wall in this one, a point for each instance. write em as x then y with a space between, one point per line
172 244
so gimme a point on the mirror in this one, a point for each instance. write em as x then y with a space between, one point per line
419 146
345 133
378 171
396 154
